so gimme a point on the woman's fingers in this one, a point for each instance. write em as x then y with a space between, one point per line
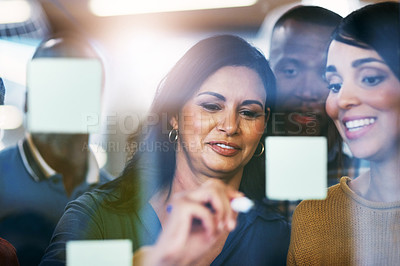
196 220
190 227
192 216
217 196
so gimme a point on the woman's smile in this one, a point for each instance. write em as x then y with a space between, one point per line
356 127
224 148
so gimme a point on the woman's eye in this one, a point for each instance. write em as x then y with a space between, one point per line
250 114
335 87
211 107
373 80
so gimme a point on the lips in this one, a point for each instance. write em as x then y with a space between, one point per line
357 127
224 148
303 119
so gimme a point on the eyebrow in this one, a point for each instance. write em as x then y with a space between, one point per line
288 60
356 63
221 97
359 62
249 102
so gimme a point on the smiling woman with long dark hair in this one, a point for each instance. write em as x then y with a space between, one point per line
173 197
358 223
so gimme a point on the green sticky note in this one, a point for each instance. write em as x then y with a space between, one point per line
296 168
99 252
64 95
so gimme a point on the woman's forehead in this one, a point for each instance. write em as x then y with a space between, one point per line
234 80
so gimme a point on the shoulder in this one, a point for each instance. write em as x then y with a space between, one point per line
11 165
9 152
92 201
105 176
316 224
267 212
322 212
269 220
306 207
90 211
97 196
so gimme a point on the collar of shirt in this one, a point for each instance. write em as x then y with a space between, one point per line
39 169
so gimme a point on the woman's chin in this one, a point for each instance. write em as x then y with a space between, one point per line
363 152
223 167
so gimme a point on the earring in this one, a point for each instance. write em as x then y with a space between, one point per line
173 135
262 150
268 114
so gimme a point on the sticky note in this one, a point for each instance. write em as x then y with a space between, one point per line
64 95
99 253
296 168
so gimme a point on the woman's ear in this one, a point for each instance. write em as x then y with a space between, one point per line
173 121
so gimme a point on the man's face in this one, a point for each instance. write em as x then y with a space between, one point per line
297 57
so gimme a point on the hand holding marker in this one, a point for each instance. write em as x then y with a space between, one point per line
240 204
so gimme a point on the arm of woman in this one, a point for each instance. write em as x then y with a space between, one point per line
196 228
80 221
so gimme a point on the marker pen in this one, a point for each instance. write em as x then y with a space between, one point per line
242 204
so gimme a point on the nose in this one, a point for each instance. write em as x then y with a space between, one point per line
312 87
347 96
229 123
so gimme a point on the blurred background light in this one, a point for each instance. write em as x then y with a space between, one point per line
14 11
126 7
342 7
23 19
14 57
10 117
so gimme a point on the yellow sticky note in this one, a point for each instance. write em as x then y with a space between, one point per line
64 95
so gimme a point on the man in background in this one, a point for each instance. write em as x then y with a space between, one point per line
298 47
297 56
45 171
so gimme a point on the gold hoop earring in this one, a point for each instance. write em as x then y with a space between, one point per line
173 135
262 150
267 115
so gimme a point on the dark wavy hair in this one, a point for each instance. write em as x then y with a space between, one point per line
376 27
151 168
